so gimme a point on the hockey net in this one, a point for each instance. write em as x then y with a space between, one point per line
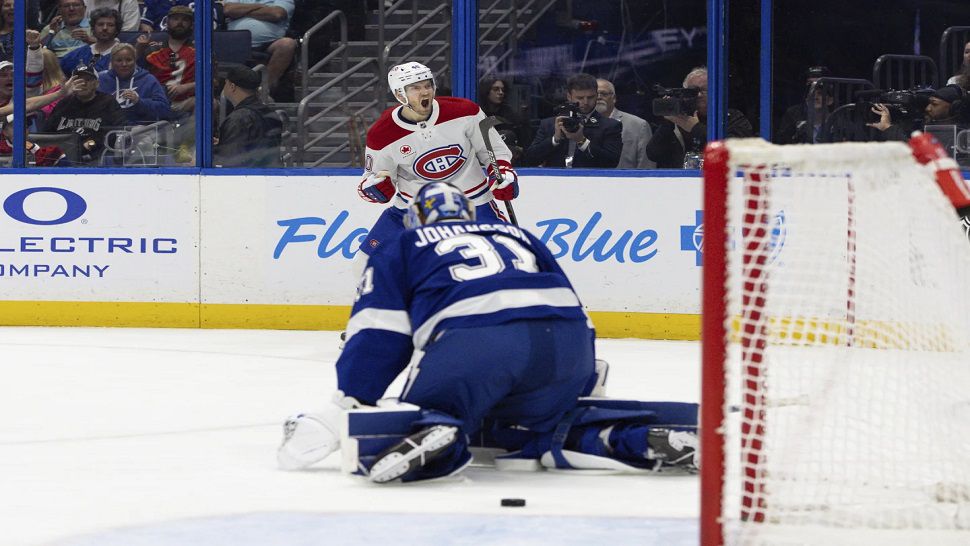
836 327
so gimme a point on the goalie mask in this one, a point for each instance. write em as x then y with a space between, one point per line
404 75
438 202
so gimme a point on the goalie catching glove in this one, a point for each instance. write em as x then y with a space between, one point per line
504 184
376 188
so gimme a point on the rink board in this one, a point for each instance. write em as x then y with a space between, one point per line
277 251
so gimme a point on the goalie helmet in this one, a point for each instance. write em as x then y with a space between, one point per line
404 75
438 202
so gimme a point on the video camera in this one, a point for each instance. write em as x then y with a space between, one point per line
904 106
676 101
574 117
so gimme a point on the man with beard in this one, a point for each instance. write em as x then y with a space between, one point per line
636 130
87 112
174 65
105 25
584 138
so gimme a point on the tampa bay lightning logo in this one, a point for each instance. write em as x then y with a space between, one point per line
440 163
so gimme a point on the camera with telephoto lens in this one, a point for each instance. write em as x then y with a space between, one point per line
675 101
905 106
574 117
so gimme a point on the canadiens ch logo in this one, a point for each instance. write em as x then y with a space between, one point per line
440 163
407 150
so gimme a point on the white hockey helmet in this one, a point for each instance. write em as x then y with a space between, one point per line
405 74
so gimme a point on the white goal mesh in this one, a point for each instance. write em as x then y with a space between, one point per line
846 410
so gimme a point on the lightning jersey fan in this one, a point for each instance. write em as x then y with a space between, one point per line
446 148
441 276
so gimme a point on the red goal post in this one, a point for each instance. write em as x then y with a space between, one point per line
836 330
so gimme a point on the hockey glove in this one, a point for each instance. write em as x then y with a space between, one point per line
505 185
376 188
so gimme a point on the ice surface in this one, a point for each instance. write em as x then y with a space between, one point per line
151 437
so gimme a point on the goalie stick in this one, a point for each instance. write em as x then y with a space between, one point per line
484 126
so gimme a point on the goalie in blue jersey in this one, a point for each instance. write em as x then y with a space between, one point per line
499 348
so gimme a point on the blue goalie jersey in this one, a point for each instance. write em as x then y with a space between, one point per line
443 276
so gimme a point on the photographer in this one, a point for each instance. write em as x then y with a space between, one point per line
578 136
682 133
940 110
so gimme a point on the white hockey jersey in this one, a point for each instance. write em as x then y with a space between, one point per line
448 147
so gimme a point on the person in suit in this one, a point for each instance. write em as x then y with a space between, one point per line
585 138
636 130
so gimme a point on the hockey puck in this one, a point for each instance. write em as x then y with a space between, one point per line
513 502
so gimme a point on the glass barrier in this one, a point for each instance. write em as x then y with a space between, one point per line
99 91
322 76
596 84
831 83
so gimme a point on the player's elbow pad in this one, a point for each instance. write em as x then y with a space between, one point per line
376 189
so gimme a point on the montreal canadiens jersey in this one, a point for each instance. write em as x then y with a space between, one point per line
445 275
448 147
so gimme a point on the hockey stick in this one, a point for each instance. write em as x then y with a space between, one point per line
484 126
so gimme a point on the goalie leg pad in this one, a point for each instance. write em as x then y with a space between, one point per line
416 453
371 434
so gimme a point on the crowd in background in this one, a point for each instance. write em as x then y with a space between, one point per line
107 67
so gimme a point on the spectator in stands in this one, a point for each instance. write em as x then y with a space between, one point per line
174 64
795 127
6 26
87 112
251 135
6 31
105 24
52 77
32 104
585 139
493 98
267 21
34 79
69 29
939 111
6 82
128 9
636 130
678 135
962 77
137 92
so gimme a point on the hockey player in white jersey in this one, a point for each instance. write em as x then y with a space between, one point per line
428 139
499 347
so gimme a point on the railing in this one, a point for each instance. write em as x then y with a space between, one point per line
383 62
952 42
341 49
510 37
904 72
303 121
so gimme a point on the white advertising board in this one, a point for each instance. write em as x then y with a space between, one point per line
101 238
628 244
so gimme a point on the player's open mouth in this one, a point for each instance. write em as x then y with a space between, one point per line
425 103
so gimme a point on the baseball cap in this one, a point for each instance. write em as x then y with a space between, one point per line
5 65
949 93
244 77
86 71
180 10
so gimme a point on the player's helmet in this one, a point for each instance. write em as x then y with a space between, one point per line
404 75
438 202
